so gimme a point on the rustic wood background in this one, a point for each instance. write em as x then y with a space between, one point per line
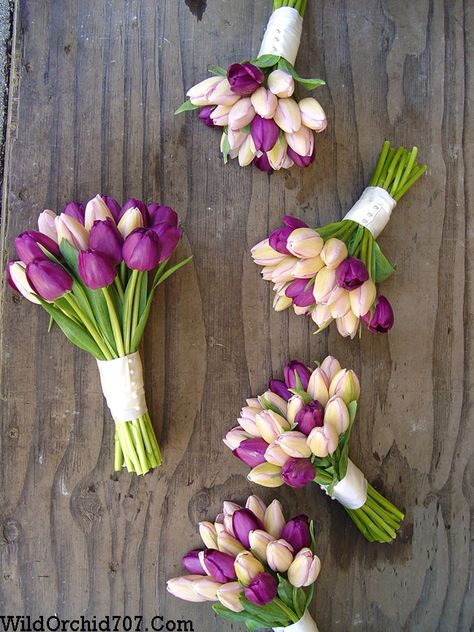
93 88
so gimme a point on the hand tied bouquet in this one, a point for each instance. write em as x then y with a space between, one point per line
331 273
254 101
299 430
89 268
259 567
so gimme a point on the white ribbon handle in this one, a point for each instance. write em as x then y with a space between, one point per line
351 492
373 209
305 624
123 387
283 34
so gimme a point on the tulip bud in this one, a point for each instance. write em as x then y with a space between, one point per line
363 298
96 209
339 302
262 163
244 521
275 401
158 214
336 415
113 206
72 231
324 284
244 79
279 555
312 114
267 475
199 94
48 279
334 252
229 596
323 441
348 325
287 115
75 210
330 366
300 295
247 420
297 533
259 540
294 444
228 544
220 115
318 386
229 508
295 404
271 425
265 133
281 84
247 151
294 369
235 437
208 534
274 520
280 388
47 225
351 273
256 506
241 114
308 417
264 255
251 451
169 237
264 103
96 269
182 587
192 563
345 384
130 221
301 142
381 320
228 525
277 155
307 268
262 590
247 567
27 246
142 249
280 303
206 588
16 276
298 159
218 565
106 238
205 115
321 315
275 455
283 272
305 569
297 472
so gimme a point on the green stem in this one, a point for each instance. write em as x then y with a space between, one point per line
89 325
127 309
114 322
380 163
136 305
289 613
119 287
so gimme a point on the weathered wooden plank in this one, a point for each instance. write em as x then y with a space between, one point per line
93 90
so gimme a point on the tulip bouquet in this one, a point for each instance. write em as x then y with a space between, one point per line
298 431
259 567
89 269
330 273
254 101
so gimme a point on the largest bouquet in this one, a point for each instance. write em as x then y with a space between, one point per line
89 268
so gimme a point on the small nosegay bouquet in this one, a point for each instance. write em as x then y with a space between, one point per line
331 273
254 103
259 567
298 432
91 268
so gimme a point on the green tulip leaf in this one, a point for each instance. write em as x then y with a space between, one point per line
266 61
309 84
187 106
214 69
382 266
285 591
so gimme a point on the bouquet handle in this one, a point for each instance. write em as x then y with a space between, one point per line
305 624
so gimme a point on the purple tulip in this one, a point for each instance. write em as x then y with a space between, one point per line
97 270
262 163
351 273
309 417
382 318
113 206
301 296
262 589
279 388
220 565
142 249
27 248
294 222
75 210
298 472
252 451
192 563
106 238
279 238
243 522
48 279
264 132
303 372
301 161
245 78
158 214
205 115
169 237
296 532
134 203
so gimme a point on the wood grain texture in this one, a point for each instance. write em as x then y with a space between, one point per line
93 90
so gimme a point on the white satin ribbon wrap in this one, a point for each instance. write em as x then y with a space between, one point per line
373 209
351 492
283 34
305 624
122 386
